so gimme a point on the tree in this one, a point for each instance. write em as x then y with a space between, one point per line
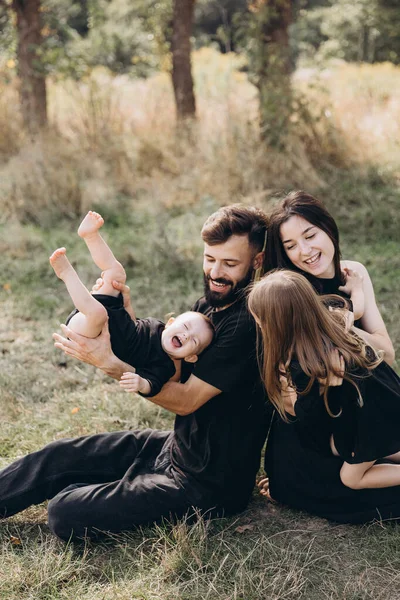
182 80
31 74
271 65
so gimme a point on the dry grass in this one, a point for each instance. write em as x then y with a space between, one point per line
112 144
112 136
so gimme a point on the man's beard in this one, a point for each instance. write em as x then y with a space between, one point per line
219 300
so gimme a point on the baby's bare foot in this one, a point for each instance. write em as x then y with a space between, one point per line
90 224
60 263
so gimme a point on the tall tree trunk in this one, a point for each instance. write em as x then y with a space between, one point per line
273 67
182 79
32 79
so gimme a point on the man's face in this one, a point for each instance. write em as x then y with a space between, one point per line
228 269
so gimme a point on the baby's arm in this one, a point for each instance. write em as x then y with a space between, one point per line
132 382
354 287
101 253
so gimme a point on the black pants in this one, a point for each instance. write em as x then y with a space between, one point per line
107 482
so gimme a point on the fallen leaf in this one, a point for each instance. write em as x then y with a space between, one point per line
243 528
15 541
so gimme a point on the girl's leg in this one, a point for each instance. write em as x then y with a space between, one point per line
394 457
92 315
369 475
101 253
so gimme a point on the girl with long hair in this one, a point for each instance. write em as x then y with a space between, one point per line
347 399
303 237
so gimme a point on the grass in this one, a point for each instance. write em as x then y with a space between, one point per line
155 194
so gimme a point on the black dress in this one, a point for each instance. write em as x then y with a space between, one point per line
306 478
363 429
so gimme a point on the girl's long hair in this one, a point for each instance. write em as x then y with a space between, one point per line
295 324
300 204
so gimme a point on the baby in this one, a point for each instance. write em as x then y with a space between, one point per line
152 348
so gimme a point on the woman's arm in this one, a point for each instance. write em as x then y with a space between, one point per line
373 330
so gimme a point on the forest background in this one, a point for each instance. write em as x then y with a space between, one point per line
155 113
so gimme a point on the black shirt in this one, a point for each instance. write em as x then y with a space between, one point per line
309 479
219 444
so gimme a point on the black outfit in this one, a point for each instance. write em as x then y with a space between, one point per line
303 472
137 343
364 430
115 481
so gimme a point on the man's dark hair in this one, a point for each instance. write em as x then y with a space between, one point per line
236 219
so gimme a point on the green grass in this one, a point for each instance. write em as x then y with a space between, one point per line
280 553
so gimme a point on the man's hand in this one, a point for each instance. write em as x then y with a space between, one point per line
96 352
126 295
132 382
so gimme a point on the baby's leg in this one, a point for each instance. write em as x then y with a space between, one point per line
92 315
369 475
101 252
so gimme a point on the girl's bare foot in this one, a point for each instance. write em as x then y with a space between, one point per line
90 224
60 263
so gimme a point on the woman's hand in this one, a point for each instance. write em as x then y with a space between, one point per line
353 281
289 395
126 295
96 351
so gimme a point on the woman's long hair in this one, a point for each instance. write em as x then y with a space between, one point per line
303 205
295 324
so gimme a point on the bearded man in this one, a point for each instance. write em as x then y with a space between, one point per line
116 481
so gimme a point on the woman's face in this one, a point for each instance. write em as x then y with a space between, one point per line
308 247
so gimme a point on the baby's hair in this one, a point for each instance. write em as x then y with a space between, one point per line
211 328
295 323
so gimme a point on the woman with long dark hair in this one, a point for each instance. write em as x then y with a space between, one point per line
303 237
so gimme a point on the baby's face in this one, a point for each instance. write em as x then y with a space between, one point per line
186 336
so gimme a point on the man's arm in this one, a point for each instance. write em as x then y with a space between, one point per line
179 398
184 398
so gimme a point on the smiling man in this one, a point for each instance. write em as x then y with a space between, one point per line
116 481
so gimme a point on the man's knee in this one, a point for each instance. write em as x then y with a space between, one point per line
63 516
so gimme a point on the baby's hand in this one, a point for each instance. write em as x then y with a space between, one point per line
353 281
132 382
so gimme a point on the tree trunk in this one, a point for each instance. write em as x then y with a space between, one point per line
274 67
32 78
181 64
